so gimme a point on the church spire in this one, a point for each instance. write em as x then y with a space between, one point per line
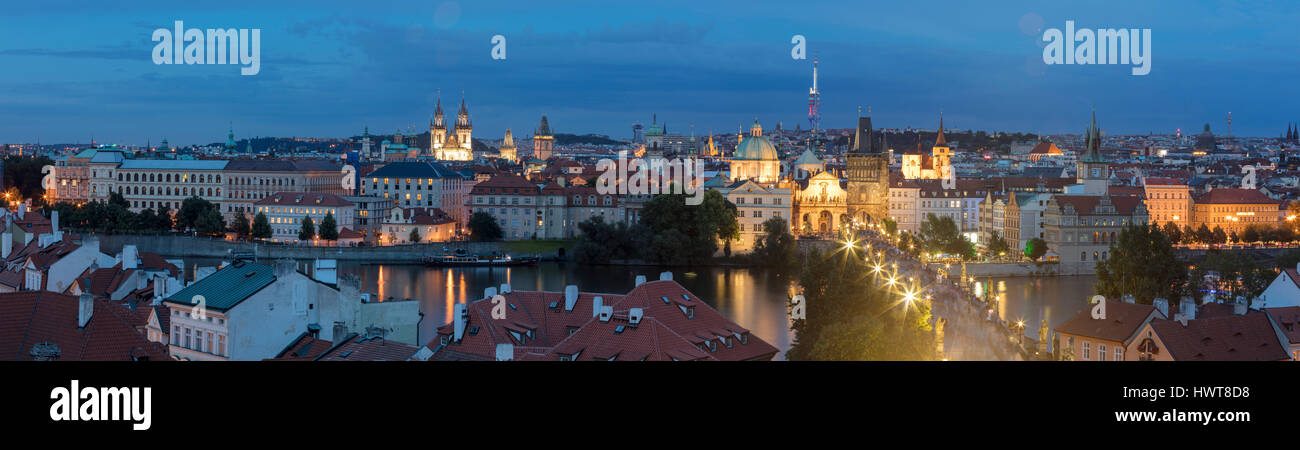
1092 152
940 141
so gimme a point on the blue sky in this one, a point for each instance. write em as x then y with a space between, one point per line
72 70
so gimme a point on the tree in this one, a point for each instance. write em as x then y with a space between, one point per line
329 229
1219 236
261 227
1172 231
777 247
940 234
697 229
1250 234
1141 263
483 227
116 199
891 227
191 210
243 229
846 315
210 222
24 174
998 246
1191 236
1035 248
1204 235
414 237
308 231
164 221
602 242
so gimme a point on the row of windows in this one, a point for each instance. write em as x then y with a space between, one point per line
199 340
1101 352
168 178
168 190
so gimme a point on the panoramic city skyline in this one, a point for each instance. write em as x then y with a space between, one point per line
606 66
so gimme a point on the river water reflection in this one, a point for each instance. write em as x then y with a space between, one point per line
1055 299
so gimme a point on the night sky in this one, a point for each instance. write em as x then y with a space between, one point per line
73 70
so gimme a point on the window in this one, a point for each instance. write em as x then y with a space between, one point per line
1101 352
221 345
1119 353
1087 350
187 338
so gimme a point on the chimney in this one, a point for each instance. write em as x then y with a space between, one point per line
640 279
327 271
340 332
505 352
461 317
1239 307
489 292
54 221
130 257
505 288
1188 307
85 308
8 243
570 296
665 276
634 316
606 312
1162 305
596 304
1128 298
22 211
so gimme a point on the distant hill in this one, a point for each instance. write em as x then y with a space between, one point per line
587 139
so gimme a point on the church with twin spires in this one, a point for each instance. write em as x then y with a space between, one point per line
456 145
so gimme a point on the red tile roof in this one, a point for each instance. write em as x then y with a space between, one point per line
1234 196
31 317
1288 319
665 331
1248 337
1123 320
359 348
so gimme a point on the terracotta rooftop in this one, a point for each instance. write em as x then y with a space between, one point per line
1122 322
1233 196
1248 337
35 317
675 325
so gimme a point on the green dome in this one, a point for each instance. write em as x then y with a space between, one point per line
756 148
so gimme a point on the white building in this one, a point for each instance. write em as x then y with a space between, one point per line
248 311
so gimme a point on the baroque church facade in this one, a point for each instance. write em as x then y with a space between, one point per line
455 144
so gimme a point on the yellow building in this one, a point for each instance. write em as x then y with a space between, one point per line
820 205
1168 200
1235 209
934 166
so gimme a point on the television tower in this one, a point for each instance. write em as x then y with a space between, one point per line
814 101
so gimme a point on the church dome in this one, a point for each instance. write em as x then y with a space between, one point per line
756 147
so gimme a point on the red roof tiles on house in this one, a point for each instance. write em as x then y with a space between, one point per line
31 317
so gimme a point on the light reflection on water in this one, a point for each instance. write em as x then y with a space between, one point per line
1055 299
